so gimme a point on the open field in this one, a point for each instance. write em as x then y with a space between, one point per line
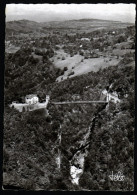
79 65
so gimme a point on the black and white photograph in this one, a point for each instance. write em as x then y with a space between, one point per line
69 97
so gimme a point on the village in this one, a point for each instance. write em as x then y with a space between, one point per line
89 45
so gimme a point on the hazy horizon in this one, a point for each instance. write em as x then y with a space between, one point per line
31 20
61 12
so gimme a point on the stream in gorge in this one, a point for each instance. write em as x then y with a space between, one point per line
77 160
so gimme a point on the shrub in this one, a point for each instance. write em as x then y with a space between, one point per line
71 55
81 53
86 57
122 47
57 48
48 119
65 68
62 72
63 58
71 73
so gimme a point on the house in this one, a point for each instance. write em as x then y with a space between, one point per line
113 97
85 39
31 99
31 103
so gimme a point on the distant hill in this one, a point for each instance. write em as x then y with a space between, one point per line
85 24
23 25
93 19
82 24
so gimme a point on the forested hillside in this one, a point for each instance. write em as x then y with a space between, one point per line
29 73
30 140
39 150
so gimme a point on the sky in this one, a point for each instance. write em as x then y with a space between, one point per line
59 12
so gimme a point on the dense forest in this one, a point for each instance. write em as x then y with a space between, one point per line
30 141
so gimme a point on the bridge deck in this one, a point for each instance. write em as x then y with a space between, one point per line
78 102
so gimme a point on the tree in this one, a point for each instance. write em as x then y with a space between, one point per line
23 110
65 68
63 58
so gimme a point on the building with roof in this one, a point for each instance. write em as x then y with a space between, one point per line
113 97
31 103
31 99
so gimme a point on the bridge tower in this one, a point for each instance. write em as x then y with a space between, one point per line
47 98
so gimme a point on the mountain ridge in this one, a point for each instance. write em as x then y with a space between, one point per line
82 19
81 25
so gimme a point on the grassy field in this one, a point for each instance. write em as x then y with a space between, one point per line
120 52
79 65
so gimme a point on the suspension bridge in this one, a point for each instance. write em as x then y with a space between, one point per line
77 102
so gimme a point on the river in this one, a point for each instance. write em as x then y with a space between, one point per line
78 159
